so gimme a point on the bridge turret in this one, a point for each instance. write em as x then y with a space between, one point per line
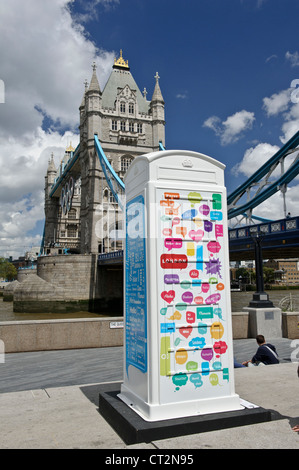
158 114
51 204
93 106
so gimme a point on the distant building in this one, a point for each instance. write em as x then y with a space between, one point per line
286 270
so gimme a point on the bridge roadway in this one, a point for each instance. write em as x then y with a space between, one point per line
280 240
49 400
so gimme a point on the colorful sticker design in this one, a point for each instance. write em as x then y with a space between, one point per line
193 336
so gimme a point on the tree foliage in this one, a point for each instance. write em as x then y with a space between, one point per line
7 270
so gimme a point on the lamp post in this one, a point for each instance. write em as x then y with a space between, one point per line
260 297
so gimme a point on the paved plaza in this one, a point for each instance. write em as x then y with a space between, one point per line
49 400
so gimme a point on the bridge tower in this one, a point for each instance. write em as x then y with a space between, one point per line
127 125
51 205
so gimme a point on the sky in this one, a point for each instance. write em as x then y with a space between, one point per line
228 72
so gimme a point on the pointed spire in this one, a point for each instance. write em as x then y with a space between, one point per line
94 84
157 95
85 90
51 164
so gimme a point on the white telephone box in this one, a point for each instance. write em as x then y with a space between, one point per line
178 356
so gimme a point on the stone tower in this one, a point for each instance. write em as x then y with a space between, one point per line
51 205
127 125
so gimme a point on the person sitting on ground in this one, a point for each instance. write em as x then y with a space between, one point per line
265 354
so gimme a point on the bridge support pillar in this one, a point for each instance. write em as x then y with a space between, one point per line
264 321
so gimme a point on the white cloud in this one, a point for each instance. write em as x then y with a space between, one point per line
254 158
273 208
183 95
232 128
271 57
277 103
45 58
90 9
293 58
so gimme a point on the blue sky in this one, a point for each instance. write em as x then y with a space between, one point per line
225 70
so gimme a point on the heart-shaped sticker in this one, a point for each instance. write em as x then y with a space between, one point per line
185 331
168 296
196 235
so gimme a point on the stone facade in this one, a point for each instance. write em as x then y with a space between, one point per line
127 125
80 210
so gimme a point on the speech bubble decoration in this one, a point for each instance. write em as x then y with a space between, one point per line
214 380
189 214
194 273
220 347
198 300
205 368
171 243
198 221
217 330
190 249
176 221
208 226
214 247
204 209
169 195
176 316
194 197
167 327
185 331
173 261
185 284
196 235
191 365
181 356
218 312
213 298
196 380
190 317
181 231
167 232
202 328
217 203
187 297
216 215
217 365
197 342
218 230
207 354
205 287
168 296
179 380
171 279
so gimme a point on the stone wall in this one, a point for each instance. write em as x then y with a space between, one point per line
290 325
43 335
66 283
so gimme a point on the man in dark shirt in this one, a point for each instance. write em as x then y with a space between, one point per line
266 353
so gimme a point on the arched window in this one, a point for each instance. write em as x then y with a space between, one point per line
125 163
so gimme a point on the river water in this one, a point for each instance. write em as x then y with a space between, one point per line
239 300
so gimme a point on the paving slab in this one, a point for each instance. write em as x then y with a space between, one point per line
55 405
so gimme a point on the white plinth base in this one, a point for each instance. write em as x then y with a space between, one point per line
264 321
179 410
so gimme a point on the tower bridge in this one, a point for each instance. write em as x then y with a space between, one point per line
84 199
